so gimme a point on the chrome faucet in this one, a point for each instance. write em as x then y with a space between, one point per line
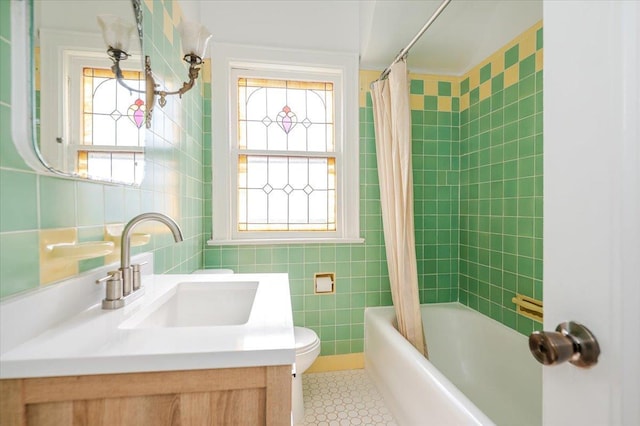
124 284
131 281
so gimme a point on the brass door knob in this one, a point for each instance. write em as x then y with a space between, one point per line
571 342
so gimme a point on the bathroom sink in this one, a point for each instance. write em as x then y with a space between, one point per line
199 304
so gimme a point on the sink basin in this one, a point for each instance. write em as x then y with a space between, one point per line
199 304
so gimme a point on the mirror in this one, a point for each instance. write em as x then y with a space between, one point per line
84 122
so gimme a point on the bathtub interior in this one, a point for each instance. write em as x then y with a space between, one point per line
487 361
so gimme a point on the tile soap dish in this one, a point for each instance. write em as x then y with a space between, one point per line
60 252
113 233
80 251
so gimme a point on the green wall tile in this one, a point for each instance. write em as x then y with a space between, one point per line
417 87
485 73
5 72
57 203
539 39
430 104
464 86
20 270
5 21
512 56
90 200
9 157
18 201
444 88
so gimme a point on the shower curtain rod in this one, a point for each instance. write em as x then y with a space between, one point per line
405 51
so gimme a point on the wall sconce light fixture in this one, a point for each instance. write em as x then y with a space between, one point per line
117 35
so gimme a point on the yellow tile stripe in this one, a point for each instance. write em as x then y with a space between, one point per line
416 102
444 103
354 361
464 101
511 75
205 71
527 42
177 13
539 60
366 78
527 46
485 90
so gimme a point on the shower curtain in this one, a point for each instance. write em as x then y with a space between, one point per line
392 120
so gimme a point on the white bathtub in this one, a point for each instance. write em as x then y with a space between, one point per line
480 371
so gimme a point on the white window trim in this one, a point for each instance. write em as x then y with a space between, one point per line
63 54
228 56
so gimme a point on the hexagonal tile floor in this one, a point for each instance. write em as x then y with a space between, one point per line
341 398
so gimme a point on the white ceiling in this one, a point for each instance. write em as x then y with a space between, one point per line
466 32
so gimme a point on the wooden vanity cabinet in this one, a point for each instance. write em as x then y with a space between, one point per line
233 396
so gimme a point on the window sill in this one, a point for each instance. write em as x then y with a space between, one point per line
271 241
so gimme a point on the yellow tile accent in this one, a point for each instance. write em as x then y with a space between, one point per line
485 90
416 102
149 4
464 101
337 363
167 26
444 103
512 75
431 88
497 63
474 78
53 268
528 44
497 58
366 78
205 72
177 12
113 233
36 59
539 60
455 87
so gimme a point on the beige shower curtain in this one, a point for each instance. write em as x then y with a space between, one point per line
392 119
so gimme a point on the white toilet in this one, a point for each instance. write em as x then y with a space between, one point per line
307 350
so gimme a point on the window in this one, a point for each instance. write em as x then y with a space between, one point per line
99 130
111 130
285 147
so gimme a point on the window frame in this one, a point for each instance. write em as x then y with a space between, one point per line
342 69
62 56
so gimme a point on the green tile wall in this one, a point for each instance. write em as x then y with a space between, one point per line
501 148
172 184
435 136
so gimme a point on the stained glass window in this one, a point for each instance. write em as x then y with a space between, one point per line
112 126
286 162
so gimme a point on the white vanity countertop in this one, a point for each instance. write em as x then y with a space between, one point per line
93 342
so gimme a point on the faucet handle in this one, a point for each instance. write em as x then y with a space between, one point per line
137 278
113 289
111 275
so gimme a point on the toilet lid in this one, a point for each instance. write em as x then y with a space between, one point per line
305 338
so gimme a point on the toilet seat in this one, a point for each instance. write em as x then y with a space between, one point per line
306 340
